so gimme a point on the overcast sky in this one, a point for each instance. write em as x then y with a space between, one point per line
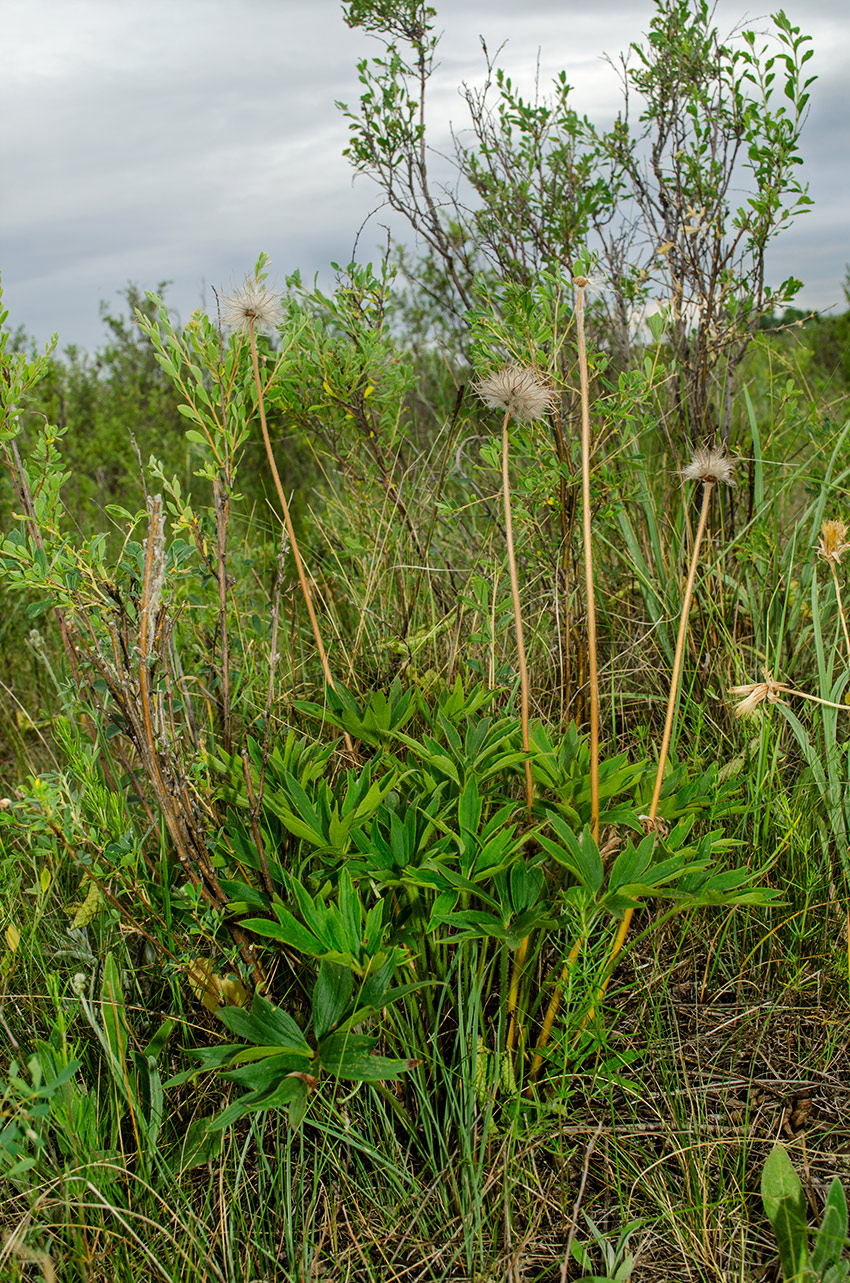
150 140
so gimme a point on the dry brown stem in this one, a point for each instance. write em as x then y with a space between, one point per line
290 530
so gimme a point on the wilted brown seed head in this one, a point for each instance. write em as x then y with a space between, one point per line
519 390
710 464
833 541
654 824
755 693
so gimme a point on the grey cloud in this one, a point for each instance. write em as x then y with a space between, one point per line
176 141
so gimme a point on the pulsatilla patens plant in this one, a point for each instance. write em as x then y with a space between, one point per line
422 862
366 894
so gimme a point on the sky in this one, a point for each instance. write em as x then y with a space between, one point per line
173 140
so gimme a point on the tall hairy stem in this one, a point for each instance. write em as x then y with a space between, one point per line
672 699
593 671
293 542
840 606
520 640
522 951
593 675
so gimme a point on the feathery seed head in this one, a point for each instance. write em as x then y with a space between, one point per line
833 541
593 284
755 693
710 464
518 390
250 304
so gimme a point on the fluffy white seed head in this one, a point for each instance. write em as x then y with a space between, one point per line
251 304
593 284
710 464
517 389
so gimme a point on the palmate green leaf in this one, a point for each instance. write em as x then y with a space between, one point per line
374 723
282 1093
497 853
475 922
350 916
305 815
265 1025
287 930
264 1073
373 930
630 864
331 997
445 877
347 1055
429 754
450 731
469 808
362 1013
314 912
209 1057
279 1055
469 924
526 883
241 896
501 764
297 827
362 805
579 855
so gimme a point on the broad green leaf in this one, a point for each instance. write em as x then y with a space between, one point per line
331 996
113 1011
831 1237
348 1056
630 864
785 1206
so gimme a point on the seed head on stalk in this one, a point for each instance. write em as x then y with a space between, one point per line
832 544
833 541
710 464
251 304
245 310
518 390
524 396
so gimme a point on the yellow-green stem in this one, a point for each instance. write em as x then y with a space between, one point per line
299 565
588 566
552 1009
513 992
